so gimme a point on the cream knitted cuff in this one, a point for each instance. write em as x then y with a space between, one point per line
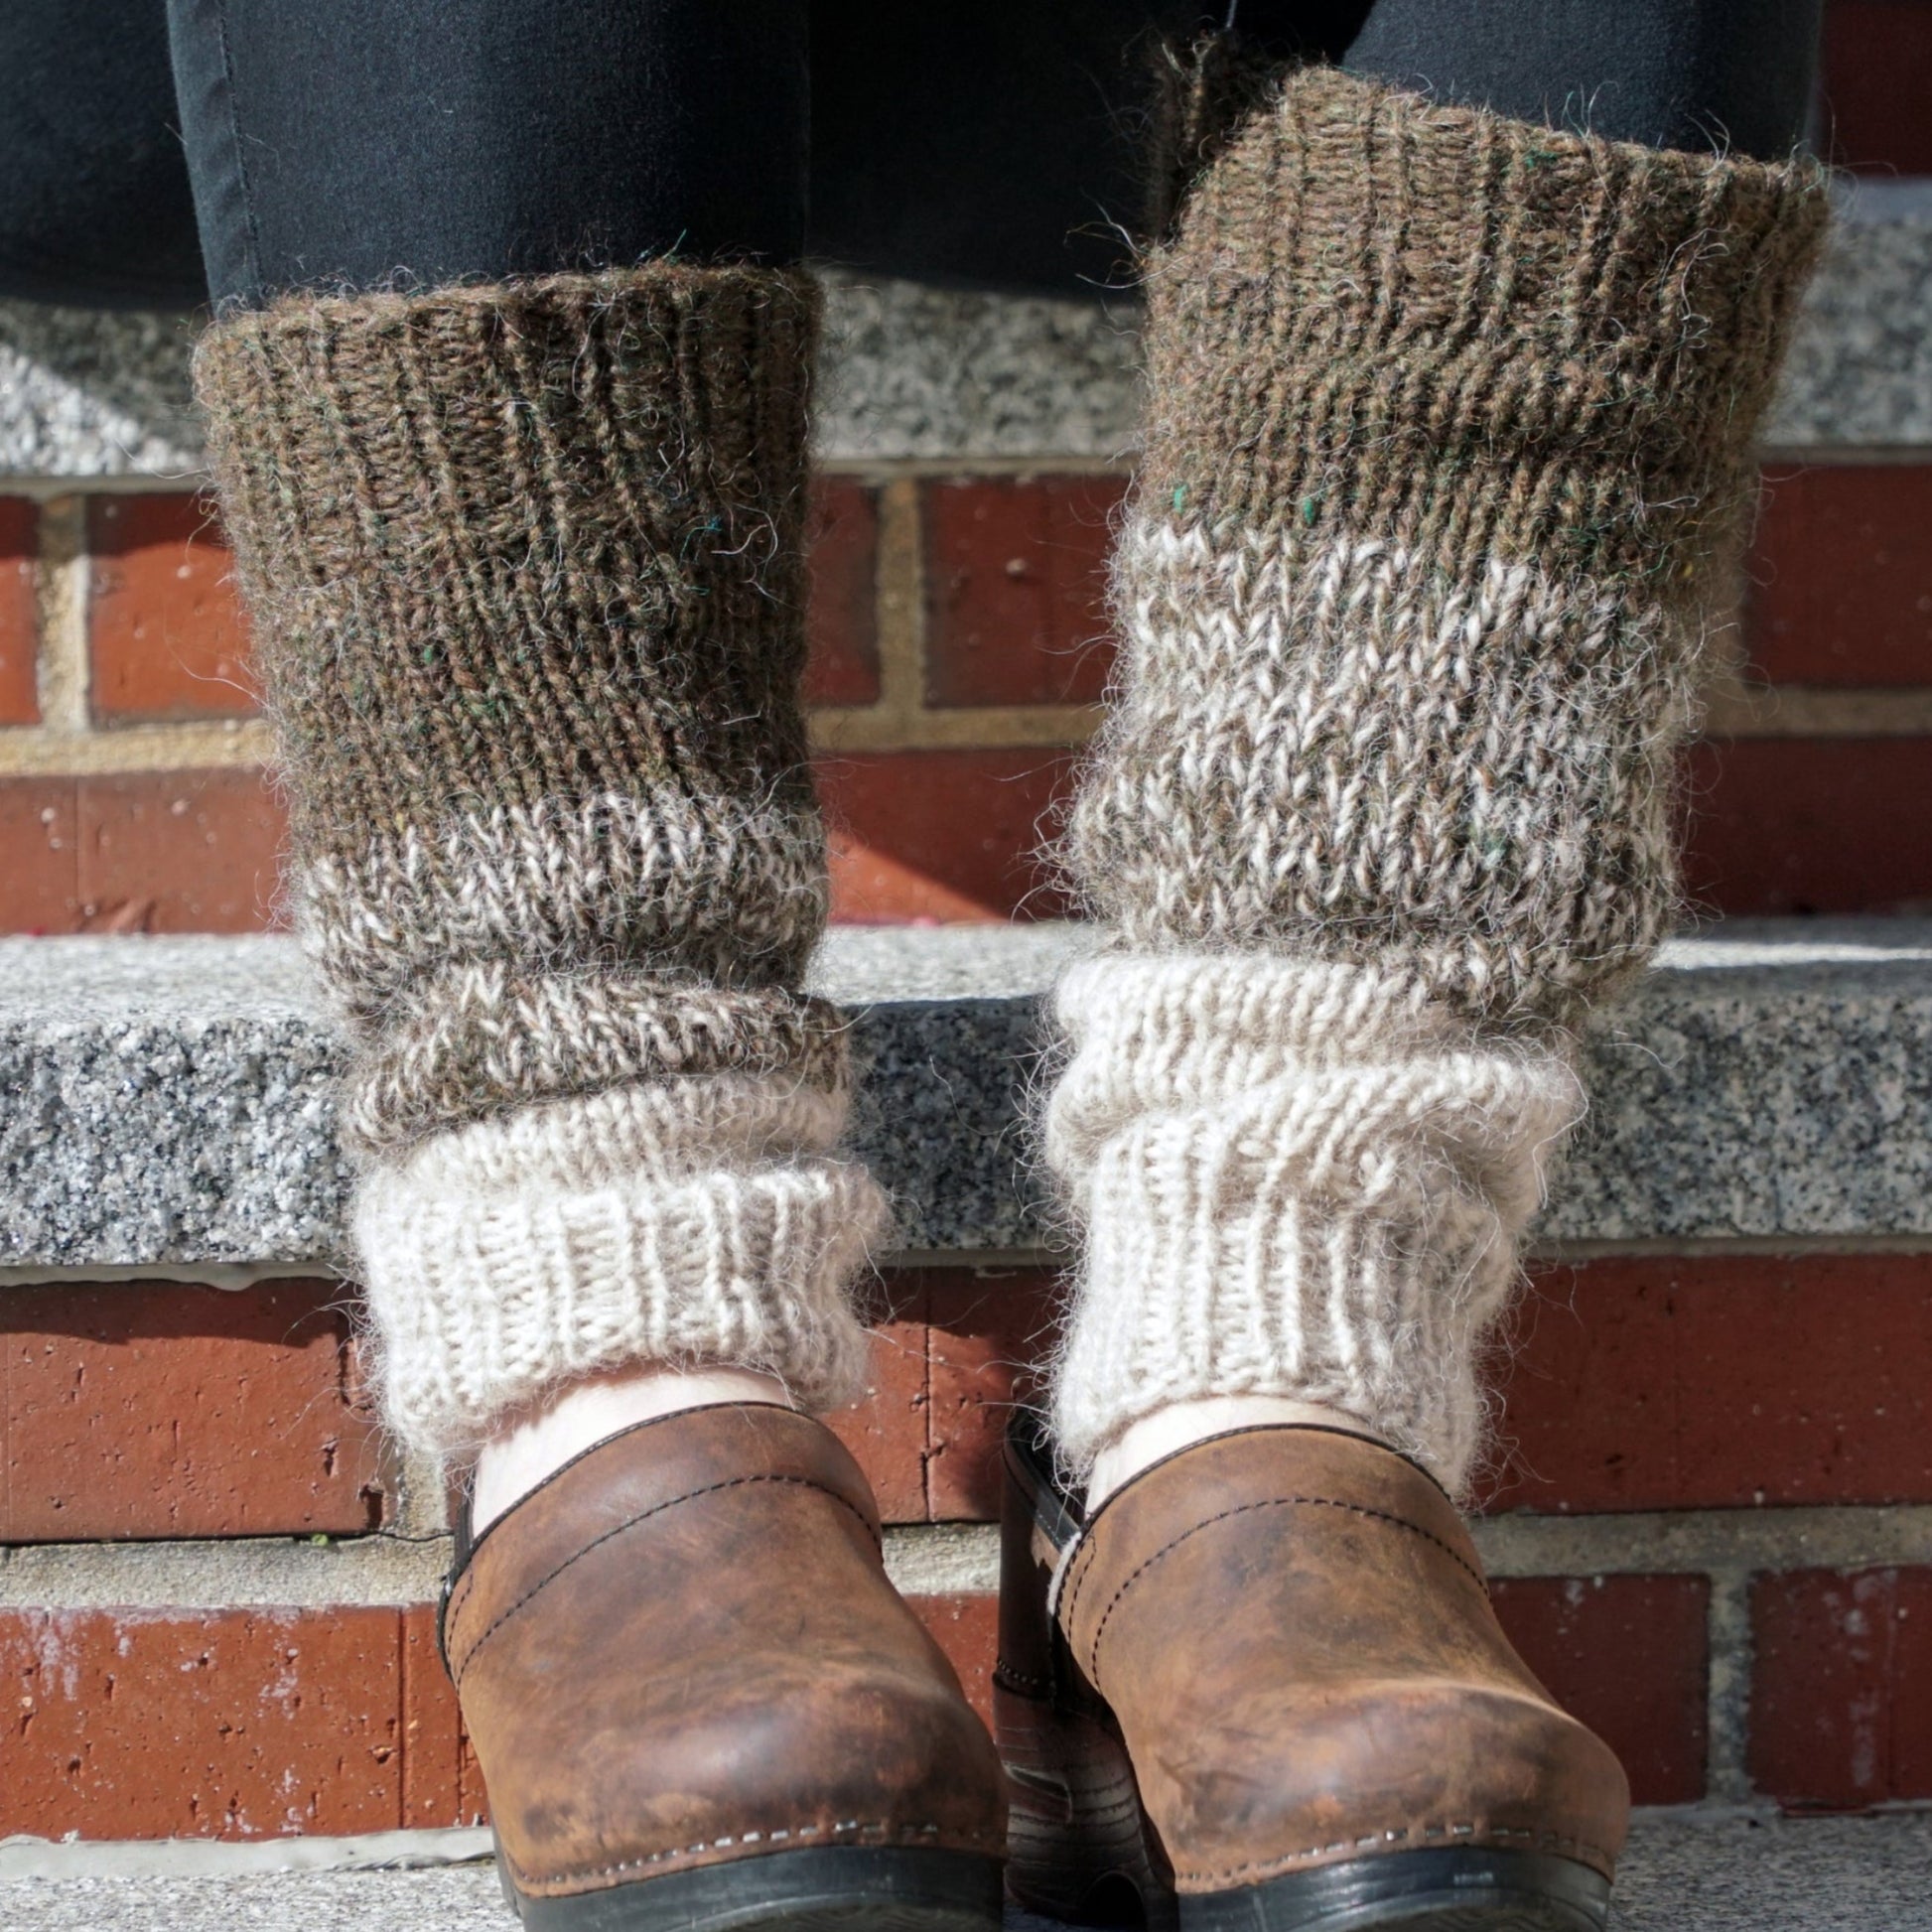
1294 1179
693 1221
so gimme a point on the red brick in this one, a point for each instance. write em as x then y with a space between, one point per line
442 1782
165 630
1721 1381
990 1326
843 663
872 887
1877 62
229 1724
1796 825
1840 1713
941 835
1629 1657
1841 584
1016 587
39 878
157 1409
179 851
19 613
886 1429
967 1630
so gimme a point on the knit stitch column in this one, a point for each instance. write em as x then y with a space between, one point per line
1449 441
524 565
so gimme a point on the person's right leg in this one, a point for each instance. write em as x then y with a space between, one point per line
508 405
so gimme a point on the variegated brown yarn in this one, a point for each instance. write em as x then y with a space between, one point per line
1448 432
525 572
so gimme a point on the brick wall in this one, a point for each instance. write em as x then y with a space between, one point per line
959 649
1711 1518
1692 1448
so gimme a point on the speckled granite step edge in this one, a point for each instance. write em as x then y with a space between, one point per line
168 1101
922 375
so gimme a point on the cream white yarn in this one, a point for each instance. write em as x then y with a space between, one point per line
690 1221
1294 1179
1372 835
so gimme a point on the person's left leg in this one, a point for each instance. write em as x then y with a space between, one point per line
1684 76
1448 452
508 407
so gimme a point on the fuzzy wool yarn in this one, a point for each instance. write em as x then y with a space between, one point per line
1448 445
523 564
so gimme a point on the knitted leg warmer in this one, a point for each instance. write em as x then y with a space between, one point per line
524 565
1448 432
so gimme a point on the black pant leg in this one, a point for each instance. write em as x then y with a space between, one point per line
1673 73
351 144
94 204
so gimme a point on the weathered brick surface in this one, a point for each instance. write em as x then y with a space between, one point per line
18 617
1721 1381
442 1782
1876 62
1801 825
1016 587
886 1430
1842 1687
1841 582
963 826
241 1723
40 873
871 887
165 628
1780 826
1636 1383
179 851
842 665
156 1408
967 1630
251 1724
989 1327
1633 1382
1628 1655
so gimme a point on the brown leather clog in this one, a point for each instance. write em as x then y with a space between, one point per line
698 1703
1263 1688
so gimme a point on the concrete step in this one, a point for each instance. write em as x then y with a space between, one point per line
1752 1874
168 1100
917 373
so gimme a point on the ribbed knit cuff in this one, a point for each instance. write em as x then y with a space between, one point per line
1294 1179
694 1222
1440 324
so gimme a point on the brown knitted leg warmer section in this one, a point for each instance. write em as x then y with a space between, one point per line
1448 441
523 566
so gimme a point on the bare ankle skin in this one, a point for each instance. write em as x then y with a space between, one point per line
537 1442
1180 1425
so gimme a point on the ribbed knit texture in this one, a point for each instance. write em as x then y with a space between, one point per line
1448 443
523 566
